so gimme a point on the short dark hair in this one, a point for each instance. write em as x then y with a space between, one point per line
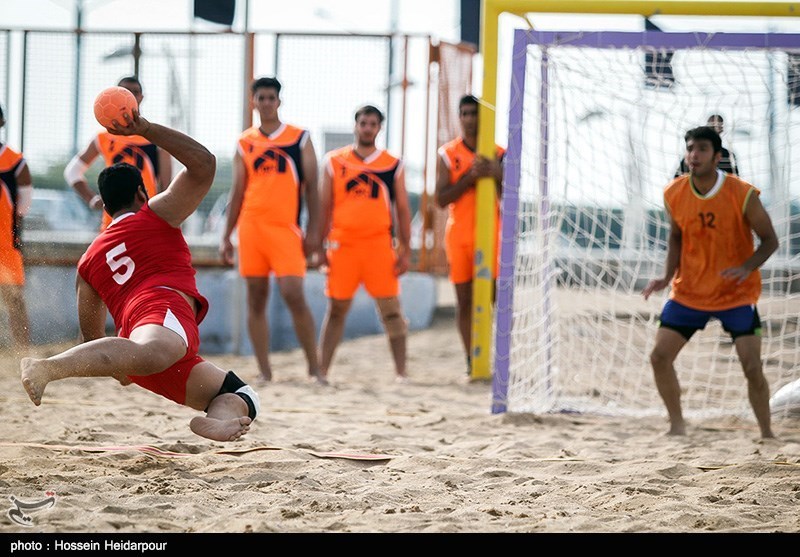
715 117
118 185
1 112
266 83
369 109
467 99
129 79
705 132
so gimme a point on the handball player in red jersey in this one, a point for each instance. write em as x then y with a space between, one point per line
140 268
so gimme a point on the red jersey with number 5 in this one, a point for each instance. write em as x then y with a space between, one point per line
138 252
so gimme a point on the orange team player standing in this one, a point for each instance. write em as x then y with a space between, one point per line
154 163
16 190
274 168
714 270
363 197
457 170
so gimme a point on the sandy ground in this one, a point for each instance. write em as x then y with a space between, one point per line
122 460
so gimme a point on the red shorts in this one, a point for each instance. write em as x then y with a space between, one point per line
368 262
165 307
267 248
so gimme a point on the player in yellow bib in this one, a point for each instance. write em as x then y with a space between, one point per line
714 271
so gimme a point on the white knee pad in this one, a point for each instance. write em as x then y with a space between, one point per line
232 384
248 391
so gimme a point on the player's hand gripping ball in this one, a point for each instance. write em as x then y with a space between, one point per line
112 104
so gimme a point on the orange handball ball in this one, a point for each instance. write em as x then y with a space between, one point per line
112 104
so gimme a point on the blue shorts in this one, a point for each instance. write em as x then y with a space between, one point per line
738 321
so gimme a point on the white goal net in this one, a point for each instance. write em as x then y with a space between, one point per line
596 130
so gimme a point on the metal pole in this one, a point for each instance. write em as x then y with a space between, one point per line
137 52
404 97
22 92
393 15
191 85
276 64
389 88
7 84
77 89
427 212
247 78
237 333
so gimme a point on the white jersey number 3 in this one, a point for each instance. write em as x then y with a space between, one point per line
122 264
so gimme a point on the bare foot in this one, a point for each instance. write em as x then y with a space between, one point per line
677 429
34 378
220 430
318 379
402 379
266 376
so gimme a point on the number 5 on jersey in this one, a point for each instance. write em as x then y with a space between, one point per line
116 260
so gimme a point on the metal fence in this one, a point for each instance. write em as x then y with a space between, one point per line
199 83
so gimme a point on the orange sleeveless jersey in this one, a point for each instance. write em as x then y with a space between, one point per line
363 193
134 150
274 174
11 164
461 218
11 269
715 235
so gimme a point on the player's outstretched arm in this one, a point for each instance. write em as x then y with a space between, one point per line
190 186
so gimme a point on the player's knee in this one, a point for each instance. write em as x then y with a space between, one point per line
659 358
295 299
232 384
257 304
394 323
753 372
257 296
338 309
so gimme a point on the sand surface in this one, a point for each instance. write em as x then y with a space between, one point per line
441 462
